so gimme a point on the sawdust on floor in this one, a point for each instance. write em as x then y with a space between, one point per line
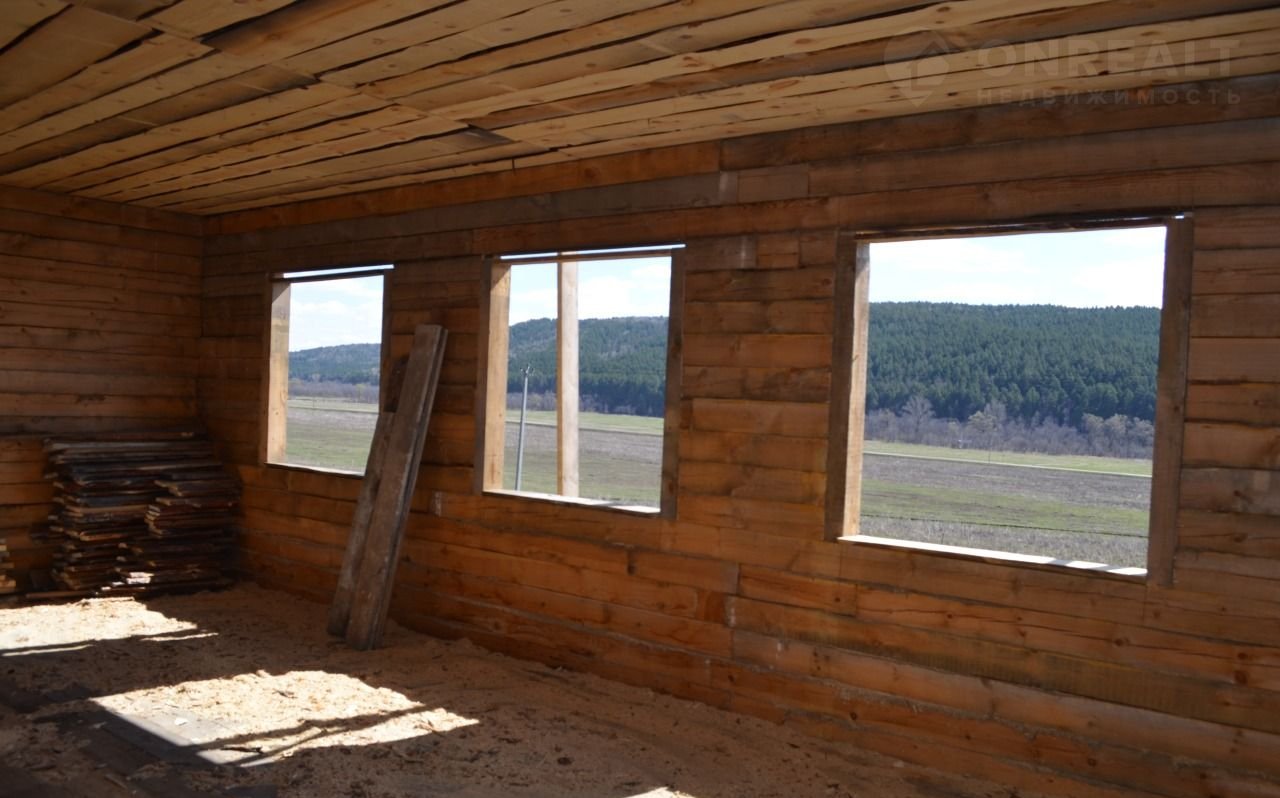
253 685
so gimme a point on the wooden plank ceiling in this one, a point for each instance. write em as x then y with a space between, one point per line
207 106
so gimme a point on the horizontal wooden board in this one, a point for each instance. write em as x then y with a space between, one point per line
1231 446
1246 403
1230 533
769 384
1235 271
1253 315
770 418
1234 360
797 316
756 350
1251 491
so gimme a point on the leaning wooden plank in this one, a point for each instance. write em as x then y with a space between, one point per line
340 610
376 574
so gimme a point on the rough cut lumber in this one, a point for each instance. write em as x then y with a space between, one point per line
357 539
7 582
139 511
394 477
186 104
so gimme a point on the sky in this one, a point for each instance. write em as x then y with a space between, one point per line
1098 268
331 312
1095 268
606 289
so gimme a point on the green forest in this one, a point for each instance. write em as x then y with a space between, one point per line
621 362
351 364
1038 362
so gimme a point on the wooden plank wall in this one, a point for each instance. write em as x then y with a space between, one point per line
1077 683
99 329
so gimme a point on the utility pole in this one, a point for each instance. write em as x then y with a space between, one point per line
524 408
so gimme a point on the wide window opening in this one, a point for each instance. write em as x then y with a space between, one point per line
1011 392
325 367
582 386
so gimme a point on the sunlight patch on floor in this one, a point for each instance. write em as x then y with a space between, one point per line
255 717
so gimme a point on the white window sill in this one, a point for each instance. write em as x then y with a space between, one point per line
336 472
572 501
1001 557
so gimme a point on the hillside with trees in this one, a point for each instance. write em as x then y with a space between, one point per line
621 363
1039 361
352 364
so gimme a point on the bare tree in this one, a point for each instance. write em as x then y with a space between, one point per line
916 412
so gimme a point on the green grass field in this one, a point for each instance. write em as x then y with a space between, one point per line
1075 507
618 463
1099 465
961 505
336 405
329 433
605 422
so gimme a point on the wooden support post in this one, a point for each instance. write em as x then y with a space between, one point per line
671 403
848 387
394 475
491 391
567 380
275 433
1171 400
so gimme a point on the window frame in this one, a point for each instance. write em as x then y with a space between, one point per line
491 380
273 430
848 397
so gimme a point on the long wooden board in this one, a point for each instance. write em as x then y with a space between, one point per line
385 504
357 539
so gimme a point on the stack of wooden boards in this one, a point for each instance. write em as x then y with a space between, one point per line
7 583
137 512
360 604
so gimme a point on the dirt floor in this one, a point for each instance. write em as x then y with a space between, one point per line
242 693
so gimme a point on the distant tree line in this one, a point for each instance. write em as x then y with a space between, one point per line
352 392
993 429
